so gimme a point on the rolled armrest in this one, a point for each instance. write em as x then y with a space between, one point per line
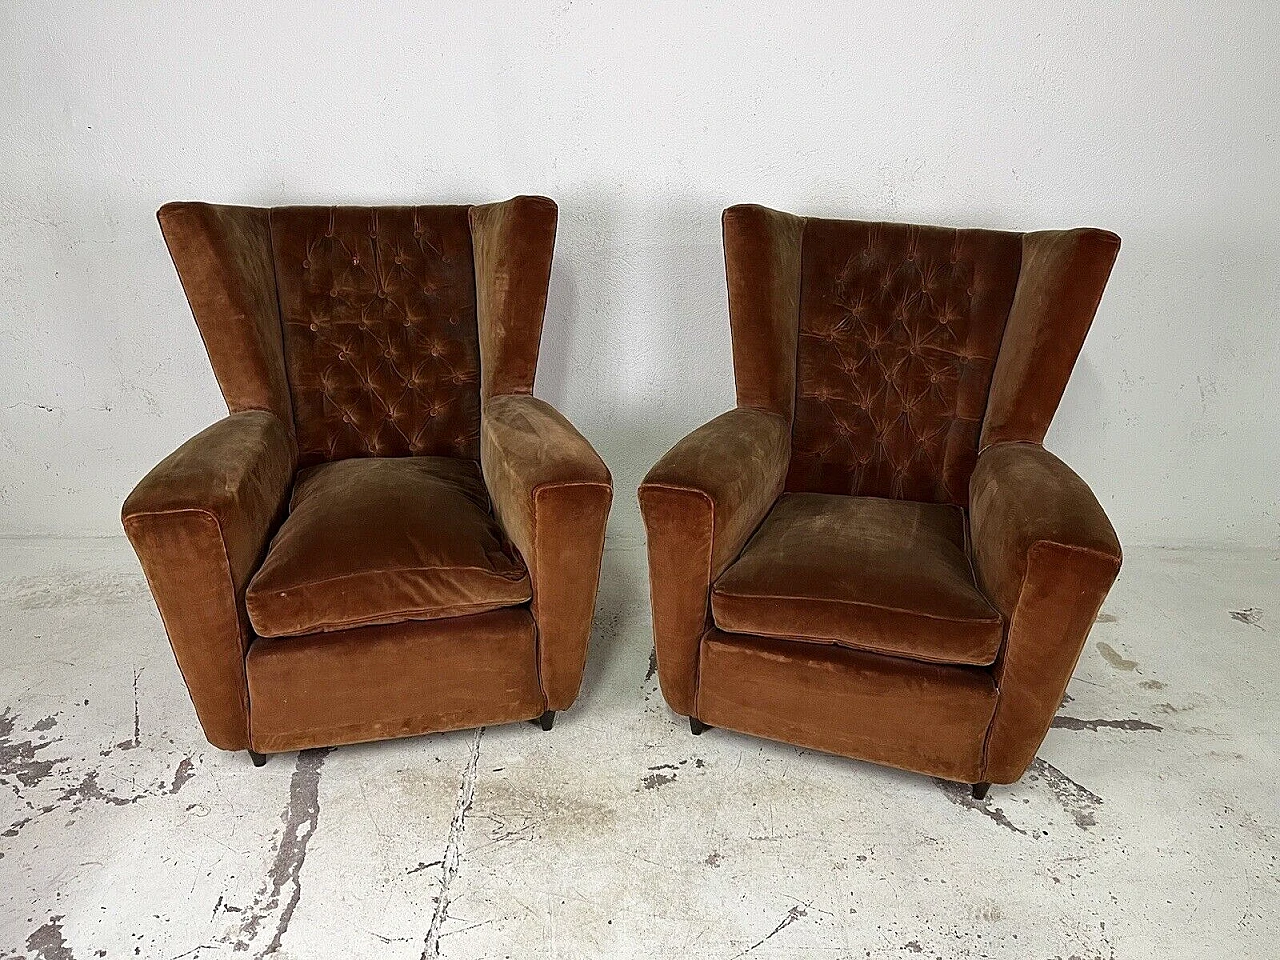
701 502
551 492
1046 555
199 523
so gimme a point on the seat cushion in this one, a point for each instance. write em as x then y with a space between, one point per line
375 540
887 576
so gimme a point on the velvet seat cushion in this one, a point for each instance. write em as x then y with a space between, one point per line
383 540
886 576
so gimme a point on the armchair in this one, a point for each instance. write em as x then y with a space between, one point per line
873 555
388 535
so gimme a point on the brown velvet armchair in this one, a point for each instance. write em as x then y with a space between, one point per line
873 554
389 535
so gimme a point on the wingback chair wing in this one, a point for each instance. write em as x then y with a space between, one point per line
873 554
388 535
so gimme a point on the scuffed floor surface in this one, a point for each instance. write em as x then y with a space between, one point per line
1148 827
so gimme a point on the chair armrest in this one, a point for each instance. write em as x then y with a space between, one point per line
1046 555
551 492
199 523
701 502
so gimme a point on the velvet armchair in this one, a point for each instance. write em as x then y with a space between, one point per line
388 535
873 554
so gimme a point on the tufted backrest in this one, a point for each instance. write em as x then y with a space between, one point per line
378 311
899 330
899 352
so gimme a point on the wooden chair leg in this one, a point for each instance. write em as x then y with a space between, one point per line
697 727
257 758
546 721
980 790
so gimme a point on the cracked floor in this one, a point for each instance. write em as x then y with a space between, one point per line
1148 827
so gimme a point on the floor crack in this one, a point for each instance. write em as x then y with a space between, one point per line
452 858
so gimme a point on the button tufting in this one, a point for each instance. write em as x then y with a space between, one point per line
347 393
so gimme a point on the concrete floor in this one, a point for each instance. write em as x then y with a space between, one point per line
1148 827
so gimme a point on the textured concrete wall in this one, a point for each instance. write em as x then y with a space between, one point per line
1156 120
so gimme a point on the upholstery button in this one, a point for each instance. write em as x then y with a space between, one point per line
306 264
387 354
333 292
399 259
315 326
382 294
346 418
355 261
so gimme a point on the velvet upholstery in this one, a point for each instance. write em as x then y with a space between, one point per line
924 717
552 493
381 540
873 555
338 560
394 680
378 309
700 504
890 576
200 521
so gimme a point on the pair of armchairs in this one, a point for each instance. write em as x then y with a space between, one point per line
389 535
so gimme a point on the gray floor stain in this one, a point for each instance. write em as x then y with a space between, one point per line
1075 723
798 912
47 943
655 780
962 796
1077 800
451 861
1250 615
1113 657
18 755
300 818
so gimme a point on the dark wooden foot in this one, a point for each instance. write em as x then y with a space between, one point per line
980 790
697 727
546 721
257 758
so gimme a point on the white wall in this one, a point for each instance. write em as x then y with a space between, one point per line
1157 120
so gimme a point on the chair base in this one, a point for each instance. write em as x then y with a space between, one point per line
546 721
697 727
980 790
258 759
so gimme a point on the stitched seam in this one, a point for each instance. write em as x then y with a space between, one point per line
301 587
844 645
334 626
717 591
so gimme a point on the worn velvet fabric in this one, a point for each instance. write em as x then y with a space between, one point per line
381 540
200 521
700 503
886 576
920 592
378 311
393 680
552 493
925 717
363 347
